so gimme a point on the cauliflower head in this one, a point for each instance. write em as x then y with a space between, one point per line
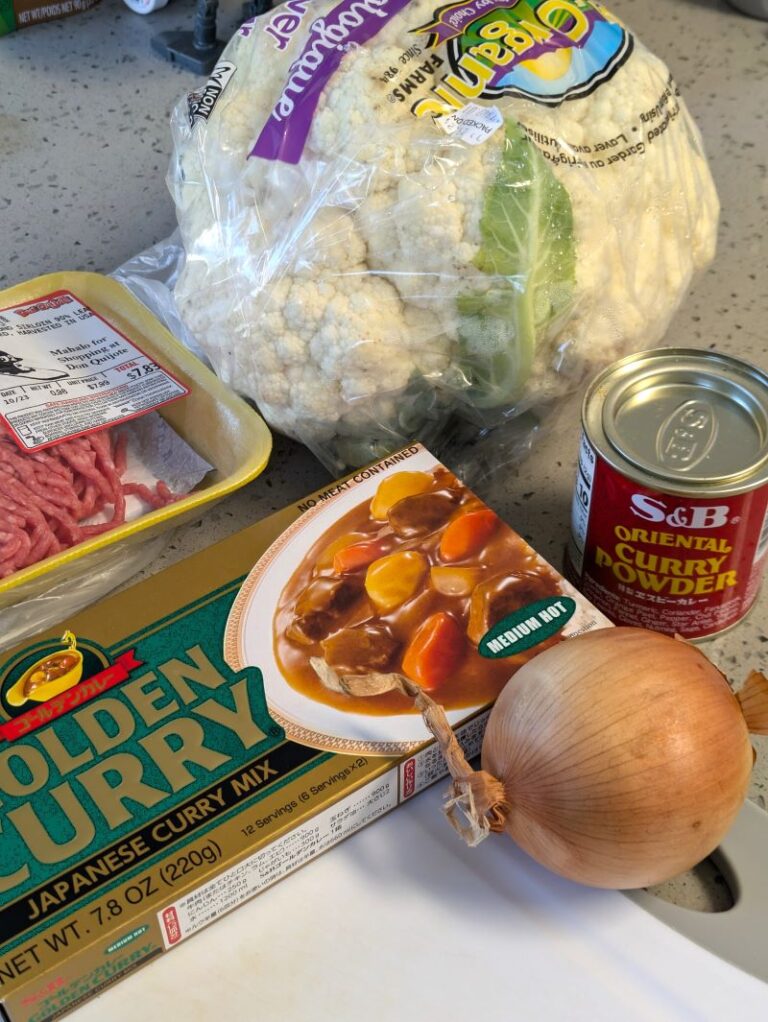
393 212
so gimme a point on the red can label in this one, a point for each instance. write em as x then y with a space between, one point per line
680 565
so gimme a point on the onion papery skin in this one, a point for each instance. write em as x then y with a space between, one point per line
624 757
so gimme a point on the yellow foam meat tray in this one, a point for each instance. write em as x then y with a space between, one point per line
220 426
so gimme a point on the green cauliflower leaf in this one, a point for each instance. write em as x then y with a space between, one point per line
528 251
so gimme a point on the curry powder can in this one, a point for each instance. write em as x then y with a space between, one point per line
669 528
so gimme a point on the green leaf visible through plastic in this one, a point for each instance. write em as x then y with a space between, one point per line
528 251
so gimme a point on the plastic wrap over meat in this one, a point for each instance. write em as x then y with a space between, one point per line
393 212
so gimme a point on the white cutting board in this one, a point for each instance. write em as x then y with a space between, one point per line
402 922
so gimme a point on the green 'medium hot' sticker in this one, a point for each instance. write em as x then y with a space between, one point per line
127 938
527 627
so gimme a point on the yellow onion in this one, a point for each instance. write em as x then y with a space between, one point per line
617 758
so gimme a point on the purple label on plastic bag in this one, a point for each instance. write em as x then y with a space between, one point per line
451 20
347 26
454 19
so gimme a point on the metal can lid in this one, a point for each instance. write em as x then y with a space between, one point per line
695 420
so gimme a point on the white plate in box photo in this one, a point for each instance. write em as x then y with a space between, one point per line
389 604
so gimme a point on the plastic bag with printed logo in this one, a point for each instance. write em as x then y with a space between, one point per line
394 213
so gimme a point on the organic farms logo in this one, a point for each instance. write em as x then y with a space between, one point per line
544 50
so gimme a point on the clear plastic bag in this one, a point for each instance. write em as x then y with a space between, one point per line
392 214
35 610
151 277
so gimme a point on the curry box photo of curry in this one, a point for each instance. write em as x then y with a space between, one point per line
397 576
408 582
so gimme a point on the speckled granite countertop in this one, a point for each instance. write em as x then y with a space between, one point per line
84 146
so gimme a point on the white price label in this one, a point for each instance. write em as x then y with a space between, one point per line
473 124
65 371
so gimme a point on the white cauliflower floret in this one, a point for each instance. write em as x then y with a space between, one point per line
396 271
326 342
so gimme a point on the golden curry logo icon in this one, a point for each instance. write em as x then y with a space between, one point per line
52 674
50 679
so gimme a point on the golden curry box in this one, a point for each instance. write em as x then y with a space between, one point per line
172 752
